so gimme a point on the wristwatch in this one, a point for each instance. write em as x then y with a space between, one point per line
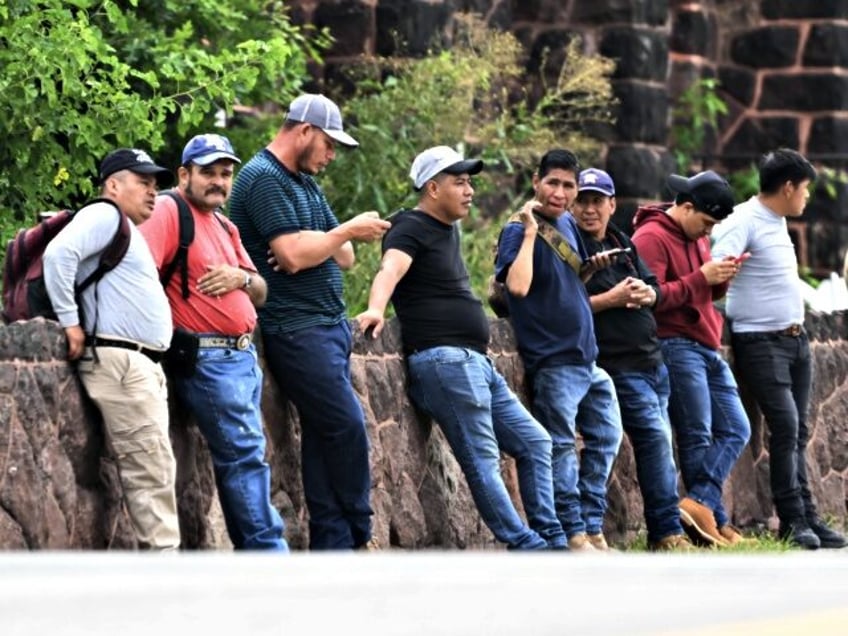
247 280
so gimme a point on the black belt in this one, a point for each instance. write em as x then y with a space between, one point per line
241 342
791 330
153 354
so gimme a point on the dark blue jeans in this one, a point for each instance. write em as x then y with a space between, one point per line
479 414
643 400
568 399
312 369
708 418
778 371
224 395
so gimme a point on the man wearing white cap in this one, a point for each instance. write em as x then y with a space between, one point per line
277 204
445 335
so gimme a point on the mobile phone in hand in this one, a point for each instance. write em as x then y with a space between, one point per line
742 258
615 251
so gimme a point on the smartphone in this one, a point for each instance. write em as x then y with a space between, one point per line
742 258
615 251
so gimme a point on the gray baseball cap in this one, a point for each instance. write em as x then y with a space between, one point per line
441 159
321 112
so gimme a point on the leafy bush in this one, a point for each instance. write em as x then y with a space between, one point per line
472 97
695 113
81 77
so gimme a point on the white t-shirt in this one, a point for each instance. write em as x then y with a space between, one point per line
766 293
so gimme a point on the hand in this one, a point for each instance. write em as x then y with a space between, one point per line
367 226
642 294
371 319
273 262
531 226
595 263
220 280
717 272
76 341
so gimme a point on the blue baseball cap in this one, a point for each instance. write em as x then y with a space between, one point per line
597 181
205 149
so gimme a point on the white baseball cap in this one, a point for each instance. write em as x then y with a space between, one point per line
321 112
441 159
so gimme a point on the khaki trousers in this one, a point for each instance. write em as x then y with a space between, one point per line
131 392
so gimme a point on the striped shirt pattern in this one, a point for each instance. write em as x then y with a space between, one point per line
269 200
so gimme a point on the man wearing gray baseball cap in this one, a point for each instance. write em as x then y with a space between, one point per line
276 203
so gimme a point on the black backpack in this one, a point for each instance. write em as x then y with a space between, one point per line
24 293
186 239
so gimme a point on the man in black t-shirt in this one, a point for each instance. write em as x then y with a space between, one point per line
445 334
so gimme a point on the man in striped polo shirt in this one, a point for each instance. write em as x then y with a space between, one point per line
277 204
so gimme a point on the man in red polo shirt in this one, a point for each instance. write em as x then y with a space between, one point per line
213 302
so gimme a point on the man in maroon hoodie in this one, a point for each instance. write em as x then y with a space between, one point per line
706 413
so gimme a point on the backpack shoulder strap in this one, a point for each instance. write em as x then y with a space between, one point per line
114 252
186 238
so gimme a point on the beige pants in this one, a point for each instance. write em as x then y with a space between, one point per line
132 395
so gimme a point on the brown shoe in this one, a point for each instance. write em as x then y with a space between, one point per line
732 535
372 545
699 523
673 543
599 542
580 543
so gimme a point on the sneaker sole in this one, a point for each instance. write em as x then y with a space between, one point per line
698 535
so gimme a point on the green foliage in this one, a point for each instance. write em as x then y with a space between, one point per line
471 97
82 77
745 183
697 110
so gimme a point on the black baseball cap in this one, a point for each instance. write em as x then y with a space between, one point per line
709 192
136 161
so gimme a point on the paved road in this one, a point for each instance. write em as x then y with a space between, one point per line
427 593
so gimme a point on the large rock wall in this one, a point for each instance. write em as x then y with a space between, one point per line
59 486
781 66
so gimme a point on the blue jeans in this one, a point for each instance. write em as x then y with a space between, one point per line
224 395
312 369
779 372
566 399
706 413
479 414
643 400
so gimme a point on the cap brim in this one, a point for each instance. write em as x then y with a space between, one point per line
164 176
592 188
467 166
678 183
342 137
205 160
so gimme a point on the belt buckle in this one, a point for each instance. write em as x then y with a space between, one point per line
243 341
794 330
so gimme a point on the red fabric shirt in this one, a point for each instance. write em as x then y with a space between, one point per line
686 307
230 314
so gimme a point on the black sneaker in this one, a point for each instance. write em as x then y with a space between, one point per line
799 533
828 537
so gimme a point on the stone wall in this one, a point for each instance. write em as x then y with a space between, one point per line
59 487
782 65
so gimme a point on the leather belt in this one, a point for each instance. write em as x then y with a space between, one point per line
791 330
241 342
153 354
